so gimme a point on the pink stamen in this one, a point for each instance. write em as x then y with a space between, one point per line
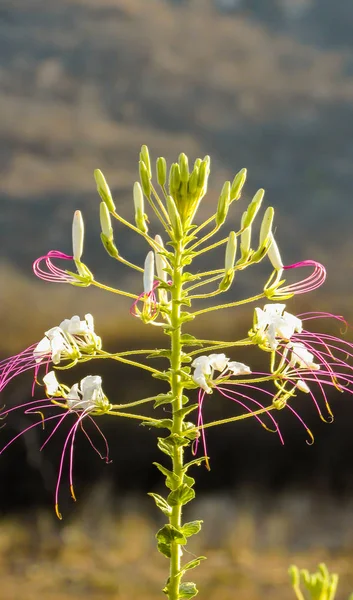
106 457
310 283
151 298
53 273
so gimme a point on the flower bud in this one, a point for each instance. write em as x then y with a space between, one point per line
274 255
226 281
174 218
145 158
197 163
105 220
78 233
294 575
237 185
103 190
161 262
148 274
231 251
145 179
184 168
161 168
266 225
253 207
193 182
174 179
204 172
140 218
223 204
245 238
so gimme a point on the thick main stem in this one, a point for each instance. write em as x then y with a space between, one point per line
177 390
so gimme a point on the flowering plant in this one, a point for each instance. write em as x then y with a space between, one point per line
300 360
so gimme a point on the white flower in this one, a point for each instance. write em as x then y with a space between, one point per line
238 368
51 383
54 344
148 273
273 322
302 357
87 396
205 366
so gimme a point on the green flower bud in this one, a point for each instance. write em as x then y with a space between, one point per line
193 182
105 220
253 208
145 158
184 168
226 281
140 218
197 163
161 168
294 575
204 174
174 179
266 225
103 190
231 250
245 238
109 245
223 204
145 179
237 185
174 218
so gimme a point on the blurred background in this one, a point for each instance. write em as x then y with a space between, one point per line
263 85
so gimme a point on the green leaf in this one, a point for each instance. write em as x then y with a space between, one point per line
196 461
190 431
191 528
172 480
165 447
182 412
161 503
186 316
182 495
159 423
163 399
168 534
175 440
160 354
164 375
188 590
192 564
190 481
164 549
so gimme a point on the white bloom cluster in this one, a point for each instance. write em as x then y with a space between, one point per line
205 366
273 322
87 395
69 340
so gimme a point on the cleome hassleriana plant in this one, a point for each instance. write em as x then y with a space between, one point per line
301 361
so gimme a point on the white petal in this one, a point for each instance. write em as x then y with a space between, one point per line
202 363
89 321
42 350
218 361
74 393
200 379
302 386
238 368
148 274
51 383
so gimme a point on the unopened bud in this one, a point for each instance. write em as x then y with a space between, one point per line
174 218
223 204
184 168
161 262
145 158
161 168
78 233
231 251
145 179
139 204
174 179
253 207
237 185
204 172
245 238
148 273
274 255
226 281
105 220
266 225
197 163
103 190
294 575
193 182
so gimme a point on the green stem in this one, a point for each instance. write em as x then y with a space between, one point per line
177 391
